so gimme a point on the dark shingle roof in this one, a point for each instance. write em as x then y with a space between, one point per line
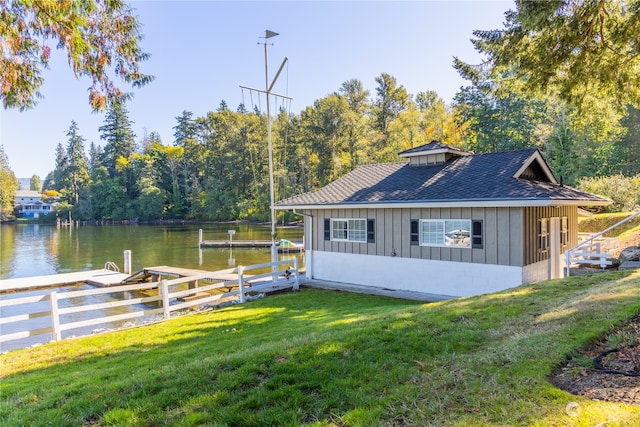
433 145
480 177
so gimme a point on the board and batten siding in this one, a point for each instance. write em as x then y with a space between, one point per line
532 215
502 234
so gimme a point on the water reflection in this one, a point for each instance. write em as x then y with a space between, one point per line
32 250
35 250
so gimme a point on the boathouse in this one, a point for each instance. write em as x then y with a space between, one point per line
443 221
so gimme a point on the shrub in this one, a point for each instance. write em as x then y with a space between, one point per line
624 191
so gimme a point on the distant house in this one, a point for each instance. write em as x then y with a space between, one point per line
446 222
30 205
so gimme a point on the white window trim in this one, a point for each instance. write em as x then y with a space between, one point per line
443 221
543 235
364 230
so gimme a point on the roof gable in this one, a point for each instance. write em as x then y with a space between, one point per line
536 168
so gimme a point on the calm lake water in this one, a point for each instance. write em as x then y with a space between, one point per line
35 250
32 250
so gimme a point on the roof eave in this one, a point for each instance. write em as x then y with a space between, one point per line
446 204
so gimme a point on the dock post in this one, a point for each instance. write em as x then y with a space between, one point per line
127 262
241 283
200 237
164 290
55 317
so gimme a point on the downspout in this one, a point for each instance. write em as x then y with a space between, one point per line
309 263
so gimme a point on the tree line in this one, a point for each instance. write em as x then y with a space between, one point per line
562 76
216 168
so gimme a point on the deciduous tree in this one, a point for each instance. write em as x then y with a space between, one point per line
8 185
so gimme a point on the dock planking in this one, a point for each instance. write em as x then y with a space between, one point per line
158 272
92 277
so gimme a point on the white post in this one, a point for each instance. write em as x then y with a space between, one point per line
55 317
200 237
127 262
241 283
164 291
296 284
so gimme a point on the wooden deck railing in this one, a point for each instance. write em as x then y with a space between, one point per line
592 250
169 299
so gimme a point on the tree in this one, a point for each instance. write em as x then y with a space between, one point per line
101 38
118 134
77 169
390 101
356 95
629 147
59 174
508 122
8 185
34 184
579 50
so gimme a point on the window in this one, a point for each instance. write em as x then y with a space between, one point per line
350 230
564 231
371 231
476 234
543 235
415 235
445 232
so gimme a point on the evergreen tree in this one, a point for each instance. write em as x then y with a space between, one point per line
119 137
77 168
59 174
117 159
579 50
101 38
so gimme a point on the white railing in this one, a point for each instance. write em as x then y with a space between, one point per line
111 266
592 250
168 298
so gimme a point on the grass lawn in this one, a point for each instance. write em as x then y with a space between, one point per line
328 358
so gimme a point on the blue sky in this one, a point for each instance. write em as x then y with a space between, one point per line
203 51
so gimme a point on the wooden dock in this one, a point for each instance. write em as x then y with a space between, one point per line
248 244
93 277
155 274
107 278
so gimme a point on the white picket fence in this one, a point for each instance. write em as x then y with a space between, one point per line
169 299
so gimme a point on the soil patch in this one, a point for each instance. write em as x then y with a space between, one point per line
579 376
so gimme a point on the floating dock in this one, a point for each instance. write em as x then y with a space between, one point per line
250 244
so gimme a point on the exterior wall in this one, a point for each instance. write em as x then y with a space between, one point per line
532 252
536 272
509 257
35 210
502 234
443 278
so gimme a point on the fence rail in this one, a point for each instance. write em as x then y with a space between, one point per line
594 250
168 298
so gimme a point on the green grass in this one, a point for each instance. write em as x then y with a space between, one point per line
328 358
600 222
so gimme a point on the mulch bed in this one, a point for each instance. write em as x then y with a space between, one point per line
596 384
